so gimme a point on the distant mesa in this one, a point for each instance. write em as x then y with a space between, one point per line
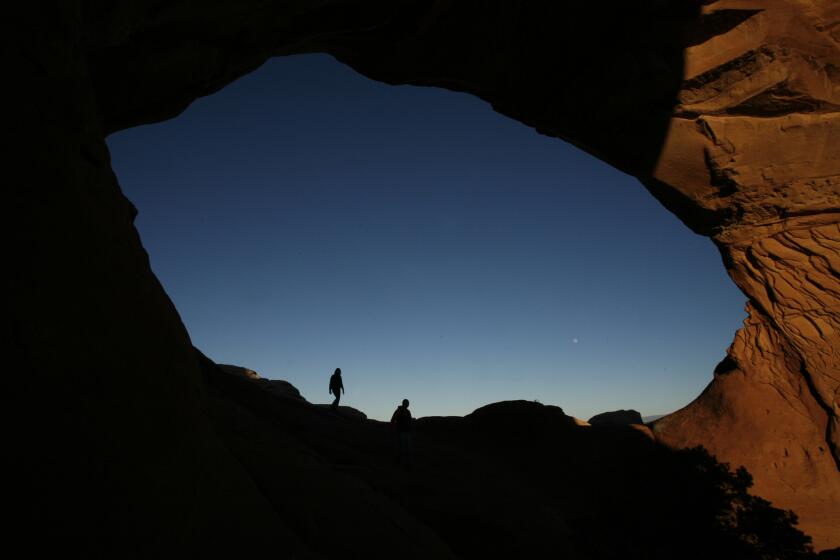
617 418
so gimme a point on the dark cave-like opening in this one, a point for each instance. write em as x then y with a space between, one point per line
305 218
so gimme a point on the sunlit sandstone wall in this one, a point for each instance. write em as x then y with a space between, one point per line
726 111
755 147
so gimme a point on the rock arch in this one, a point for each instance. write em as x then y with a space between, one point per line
728 112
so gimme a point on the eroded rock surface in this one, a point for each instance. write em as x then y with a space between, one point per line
726 111
754 149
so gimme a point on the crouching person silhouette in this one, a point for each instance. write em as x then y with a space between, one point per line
336 387
401 427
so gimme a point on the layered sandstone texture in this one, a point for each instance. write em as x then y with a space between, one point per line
754 149
726 111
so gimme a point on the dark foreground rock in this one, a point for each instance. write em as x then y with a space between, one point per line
514 479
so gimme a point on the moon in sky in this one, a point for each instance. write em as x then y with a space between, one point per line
574 341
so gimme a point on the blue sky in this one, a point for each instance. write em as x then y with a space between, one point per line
306 218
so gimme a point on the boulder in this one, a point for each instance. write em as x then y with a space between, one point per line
238 370
277 387
616 418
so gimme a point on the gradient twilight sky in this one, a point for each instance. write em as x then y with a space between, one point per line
306 218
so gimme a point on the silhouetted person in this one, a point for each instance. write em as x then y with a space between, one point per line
401 426
336 387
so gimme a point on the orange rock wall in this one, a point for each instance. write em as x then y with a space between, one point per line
755 142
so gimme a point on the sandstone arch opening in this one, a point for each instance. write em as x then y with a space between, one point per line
727 111
306 216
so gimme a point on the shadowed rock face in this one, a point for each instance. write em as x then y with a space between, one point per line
617 417
726 111
275 386
513 479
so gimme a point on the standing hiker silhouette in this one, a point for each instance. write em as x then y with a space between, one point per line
401 426
336 387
